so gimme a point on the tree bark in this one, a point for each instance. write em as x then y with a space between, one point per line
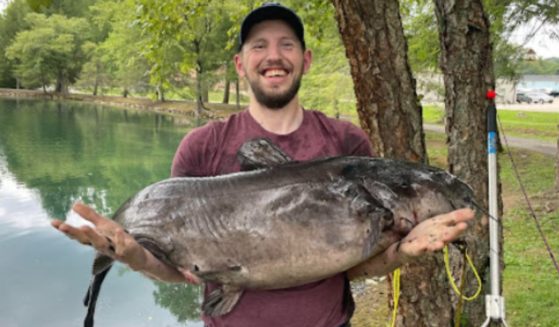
199 71
226 91
466 61
390 113
387 102
238 93
159 92
97 72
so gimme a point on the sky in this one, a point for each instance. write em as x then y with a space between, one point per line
544 46
541 42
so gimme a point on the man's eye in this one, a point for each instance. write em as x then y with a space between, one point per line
258 46
288 45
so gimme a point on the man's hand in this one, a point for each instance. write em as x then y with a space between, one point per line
428 236
433 234
110 239
107 237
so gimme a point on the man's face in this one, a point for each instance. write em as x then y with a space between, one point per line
273 62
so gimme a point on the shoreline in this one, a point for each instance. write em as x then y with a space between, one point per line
171 107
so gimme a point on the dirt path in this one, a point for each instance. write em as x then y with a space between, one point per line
517 142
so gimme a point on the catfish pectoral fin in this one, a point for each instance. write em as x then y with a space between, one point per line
100 263
221 301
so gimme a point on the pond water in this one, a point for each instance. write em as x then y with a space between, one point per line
51 155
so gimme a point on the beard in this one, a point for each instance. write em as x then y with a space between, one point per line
276 100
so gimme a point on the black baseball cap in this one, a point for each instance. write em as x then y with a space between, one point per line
272 11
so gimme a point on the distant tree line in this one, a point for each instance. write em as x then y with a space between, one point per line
182 49
540 67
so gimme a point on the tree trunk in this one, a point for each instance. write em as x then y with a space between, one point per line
199 70
199 99
384 86
390 113
226 90
238 93
159 92
466 62
96 83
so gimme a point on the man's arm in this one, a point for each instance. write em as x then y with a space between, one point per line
110 239
428 236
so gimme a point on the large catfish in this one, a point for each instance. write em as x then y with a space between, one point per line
281 224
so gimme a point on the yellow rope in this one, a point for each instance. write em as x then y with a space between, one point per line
451 278
396 294
396 283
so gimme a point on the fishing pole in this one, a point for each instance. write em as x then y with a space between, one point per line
494 302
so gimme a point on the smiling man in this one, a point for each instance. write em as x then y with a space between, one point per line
272 58
272 62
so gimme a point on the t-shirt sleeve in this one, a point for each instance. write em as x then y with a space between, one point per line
356 142
192 152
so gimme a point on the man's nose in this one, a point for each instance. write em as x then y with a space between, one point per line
274 52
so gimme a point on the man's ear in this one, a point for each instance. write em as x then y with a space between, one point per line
307 60
238 60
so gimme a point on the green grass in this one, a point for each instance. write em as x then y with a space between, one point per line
530 281
433 114
536 125
537 172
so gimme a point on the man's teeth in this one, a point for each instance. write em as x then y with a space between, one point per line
274 73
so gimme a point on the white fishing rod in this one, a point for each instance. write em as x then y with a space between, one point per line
494 302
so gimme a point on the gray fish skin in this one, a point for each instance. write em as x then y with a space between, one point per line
286 225
264 229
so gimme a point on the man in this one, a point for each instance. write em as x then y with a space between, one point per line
272 58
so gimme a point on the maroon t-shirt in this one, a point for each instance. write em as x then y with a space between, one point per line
212 150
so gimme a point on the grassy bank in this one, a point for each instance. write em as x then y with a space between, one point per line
534 125
173 107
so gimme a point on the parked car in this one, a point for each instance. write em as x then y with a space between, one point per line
540 97
521 97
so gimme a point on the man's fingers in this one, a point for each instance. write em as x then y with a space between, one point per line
189 277
100 242
71 232
119 242
457 216
88 213
463 215
56 223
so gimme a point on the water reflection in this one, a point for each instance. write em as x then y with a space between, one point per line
52 154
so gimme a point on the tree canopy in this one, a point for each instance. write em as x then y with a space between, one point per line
51 50
183 48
